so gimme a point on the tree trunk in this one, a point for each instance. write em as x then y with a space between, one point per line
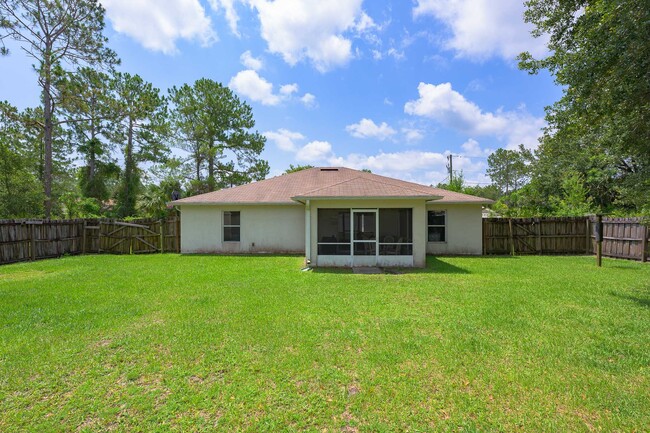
47 137
211 182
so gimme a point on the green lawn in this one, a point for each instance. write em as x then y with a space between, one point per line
201 343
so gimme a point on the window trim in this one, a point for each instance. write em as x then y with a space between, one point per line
225 226
444 226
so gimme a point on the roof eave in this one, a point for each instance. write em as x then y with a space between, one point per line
233 203
486 201
391 197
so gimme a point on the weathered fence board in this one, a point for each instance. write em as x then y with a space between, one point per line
622 237
22 240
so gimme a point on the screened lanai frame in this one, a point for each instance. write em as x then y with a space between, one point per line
338 235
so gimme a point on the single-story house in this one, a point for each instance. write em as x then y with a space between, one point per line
335 216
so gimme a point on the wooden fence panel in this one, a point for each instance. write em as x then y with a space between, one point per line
535 236
625 238
23 240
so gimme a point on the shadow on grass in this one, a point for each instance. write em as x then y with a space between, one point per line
642 301
332 270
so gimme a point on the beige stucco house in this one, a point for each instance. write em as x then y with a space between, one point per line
336 217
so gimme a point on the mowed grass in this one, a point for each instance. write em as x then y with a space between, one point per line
209 343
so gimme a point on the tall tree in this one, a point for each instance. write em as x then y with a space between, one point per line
600 55
509 169
20 194
216 125
56 34
140 131
90 106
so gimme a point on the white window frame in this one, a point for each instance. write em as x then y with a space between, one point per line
444 226
225 226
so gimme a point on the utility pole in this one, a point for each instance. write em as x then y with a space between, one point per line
450 168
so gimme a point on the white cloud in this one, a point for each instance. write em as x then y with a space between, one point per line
157 25
451 109
249 84
412 135
481 29
284 139
315 151
308 100
251 62
289 89
229 10
310 29
366 128
472 148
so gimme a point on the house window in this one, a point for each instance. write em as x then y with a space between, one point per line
333 232
437 225
231 226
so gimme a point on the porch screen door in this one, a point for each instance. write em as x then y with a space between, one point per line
364 237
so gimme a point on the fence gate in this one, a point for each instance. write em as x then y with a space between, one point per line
117 237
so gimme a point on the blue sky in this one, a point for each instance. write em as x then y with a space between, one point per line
392 86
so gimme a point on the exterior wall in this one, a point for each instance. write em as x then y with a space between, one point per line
264 229
419 228
464 230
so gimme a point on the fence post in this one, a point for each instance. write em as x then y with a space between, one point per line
484 225
539 235
83 238
599 240
512 238
33 241
588 247
644 244
162 236
178 234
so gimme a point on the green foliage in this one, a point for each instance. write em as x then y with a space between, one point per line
509 170
21 195
76 206
294 168
600 128
90 106
456 184
141 129
56 34
214 126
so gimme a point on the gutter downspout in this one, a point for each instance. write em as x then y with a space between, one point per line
308 232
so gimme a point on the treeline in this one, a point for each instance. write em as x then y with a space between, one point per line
99 142
594 155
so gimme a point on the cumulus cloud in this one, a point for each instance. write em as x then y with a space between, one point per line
472 148
425 167
289 89
251 62
480 29
412 135
449 108
315 151
249 84
229 11
308 100
366 128
284 139
158 25
311 29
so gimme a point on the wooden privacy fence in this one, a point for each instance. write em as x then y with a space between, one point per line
22 240
622 237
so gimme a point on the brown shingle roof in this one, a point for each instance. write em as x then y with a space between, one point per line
327 182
